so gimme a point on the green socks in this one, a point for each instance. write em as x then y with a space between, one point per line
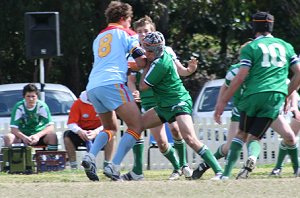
233 155
219 154
281 155
52 147
210 159
138 155
180 147
170 155
293 153
253 148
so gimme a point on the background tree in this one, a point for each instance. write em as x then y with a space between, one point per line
212 31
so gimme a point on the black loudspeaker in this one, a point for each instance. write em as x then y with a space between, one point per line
42 38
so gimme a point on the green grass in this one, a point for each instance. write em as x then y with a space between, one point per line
69 175
75 184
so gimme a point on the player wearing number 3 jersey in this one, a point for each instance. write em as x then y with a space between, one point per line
265 63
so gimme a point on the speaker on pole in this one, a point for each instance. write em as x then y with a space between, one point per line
42 38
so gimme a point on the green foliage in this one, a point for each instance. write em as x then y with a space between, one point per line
211 30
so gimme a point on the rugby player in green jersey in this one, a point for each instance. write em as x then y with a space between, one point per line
265 63
147 101
31 122
173 100
280 125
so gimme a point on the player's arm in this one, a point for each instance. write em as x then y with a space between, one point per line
132 87
139 56
186 71
294 99
132 83
295 81
143 85
223 89
234 85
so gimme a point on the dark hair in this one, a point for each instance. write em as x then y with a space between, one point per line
116 10
144 21
30 88
262 22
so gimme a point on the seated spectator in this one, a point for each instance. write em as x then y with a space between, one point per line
84 125
31 121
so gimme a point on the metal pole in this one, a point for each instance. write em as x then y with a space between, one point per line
42 79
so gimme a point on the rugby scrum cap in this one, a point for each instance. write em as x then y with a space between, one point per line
262 22
155 42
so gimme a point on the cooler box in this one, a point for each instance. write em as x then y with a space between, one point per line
50 160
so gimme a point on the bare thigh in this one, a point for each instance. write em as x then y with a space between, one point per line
295 125
150 119
186 127
175 130
159 134
130 114
109 121
282 127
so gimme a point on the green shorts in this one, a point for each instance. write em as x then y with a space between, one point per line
264 104
148 104
235 115
168 114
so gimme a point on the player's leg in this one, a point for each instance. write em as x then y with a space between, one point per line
186 127
138 156
221 151
130 114
109 121
136 173
180 147
150 119
10 138
109 150
256 130
287 146
50 139
295 125
72 141
104 104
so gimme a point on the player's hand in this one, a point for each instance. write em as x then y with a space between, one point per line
287 105
83 135
219 109
192 65
26 140
34 139
136 96
91 134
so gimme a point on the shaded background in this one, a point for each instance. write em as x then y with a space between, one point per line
211 30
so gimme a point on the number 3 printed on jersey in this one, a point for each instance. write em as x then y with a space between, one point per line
104 45
273 54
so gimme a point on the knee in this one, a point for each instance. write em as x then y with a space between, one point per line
163 146
176 134
290 140
8 139
189 140
52 138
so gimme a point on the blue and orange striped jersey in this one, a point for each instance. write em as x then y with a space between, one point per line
110 48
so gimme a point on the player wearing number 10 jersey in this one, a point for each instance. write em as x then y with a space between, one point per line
265 63
107 90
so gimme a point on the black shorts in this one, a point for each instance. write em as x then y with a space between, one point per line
255 126
77 141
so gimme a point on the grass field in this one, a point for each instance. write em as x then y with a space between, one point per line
75 184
